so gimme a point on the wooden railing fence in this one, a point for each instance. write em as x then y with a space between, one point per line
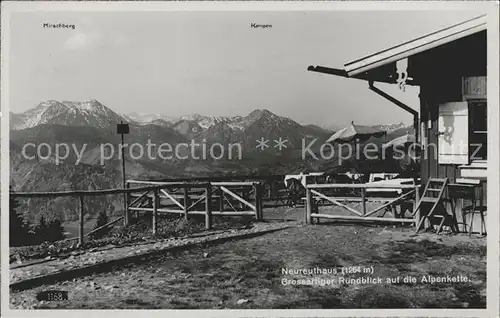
226 198
80 195
314 194
186 198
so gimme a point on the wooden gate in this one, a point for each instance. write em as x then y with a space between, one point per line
316 192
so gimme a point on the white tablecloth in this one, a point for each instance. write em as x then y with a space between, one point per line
395 182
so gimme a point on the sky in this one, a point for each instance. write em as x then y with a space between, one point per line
214 63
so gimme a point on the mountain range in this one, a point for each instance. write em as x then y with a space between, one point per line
93 113
89 125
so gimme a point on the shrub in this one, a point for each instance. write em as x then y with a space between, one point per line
18 227
55 231
48 231
41 231
102 219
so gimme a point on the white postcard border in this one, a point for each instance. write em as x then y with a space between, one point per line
493 138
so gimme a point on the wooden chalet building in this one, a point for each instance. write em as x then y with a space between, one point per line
449 66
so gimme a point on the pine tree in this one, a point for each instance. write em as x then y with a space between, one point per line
102 219
18 227
41 231
55 231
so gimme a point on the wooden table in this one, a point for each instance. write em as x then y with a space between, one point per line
478 183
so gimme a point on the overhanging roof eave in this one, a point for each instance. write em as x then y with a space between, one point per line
416 46
363 76
328 70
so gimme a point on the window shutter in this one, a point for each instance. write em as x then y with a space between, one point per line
453 128
474 87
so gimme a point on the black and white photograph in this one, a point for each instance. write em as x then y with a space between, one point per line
249 159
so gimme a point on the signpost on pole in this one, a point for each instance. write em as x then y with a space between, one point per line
123 129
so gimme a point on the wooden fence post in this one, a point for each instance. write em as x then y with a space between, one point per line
308 206
256 193
363 200
80 233
126 197
208 207
155 209
186 202
417 198
221 201
260 194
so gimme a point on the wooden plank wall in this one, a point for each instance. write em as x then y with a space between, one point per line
447 88
430 97
424 117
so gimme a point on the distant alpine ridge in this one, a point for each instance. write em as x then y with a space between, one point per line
95 114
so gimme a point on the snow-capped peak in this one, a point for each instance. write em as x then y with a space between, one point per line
144 118
392 127
90 112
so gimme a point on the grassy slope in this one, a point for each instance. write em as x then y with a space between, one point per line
251 270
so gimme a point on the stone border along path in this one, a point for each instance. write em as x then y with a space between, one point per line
104 260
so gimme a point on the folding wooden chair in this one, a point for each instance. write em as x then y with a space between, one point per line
432 208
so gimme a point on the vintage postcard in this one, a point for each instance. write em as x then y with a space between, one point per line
234 159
